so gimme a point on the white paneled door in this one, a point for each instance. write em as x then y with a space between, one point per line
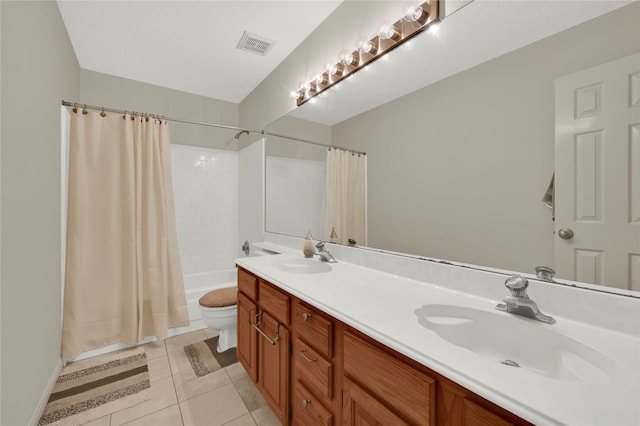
597 174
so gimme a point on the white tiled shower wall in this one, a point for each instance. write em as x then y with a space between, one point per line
205 185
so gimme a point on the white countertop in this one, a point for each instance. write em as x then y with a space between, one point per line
383 305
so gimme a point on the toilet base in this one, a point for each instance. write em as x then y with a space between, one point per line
228 339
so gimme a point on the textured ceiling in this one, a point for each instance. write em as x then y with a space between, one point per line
189 45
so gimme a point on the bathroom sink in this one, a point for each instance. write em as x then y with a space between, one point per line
302 266
517 343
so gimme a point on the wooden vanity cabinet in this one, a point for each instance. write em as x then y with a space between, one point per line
263 339
319 371
381 386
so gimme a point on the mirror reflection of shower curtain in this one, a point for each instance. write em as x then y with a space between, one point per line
123 272
345 196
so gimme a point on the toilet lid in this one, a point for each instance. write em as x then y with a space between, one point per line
220 298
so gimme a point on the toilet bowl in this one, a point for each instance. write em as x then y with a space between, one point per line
219 312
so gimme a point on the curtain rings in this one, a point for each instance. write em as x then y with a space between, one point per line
102 113
75 107
84 110
124 116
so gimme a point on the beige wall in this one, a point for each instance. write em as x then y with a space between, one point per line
121 93
39 68
457 169
302 129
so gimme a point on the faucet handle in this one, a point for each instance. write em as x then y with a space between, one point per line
320 245
517 285
545 273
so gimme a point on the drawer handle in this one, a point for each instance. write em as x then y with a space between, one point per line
305 403
306 316
257 327
305 356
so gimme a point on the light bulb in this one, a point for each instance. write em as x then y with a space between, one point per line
349 58
365 46
334 69
388 31
294 94
413 13
320 79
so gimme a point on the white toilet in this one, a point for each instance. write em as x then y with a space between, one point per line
219 311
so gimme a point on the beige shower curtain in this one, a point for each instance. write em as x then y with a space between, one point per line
345 196
123 273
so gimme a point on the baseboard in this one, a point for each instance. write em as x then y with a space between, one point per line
45 395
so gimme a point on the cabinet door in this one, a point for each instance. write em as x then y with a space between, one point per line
360 408
273 365
247 336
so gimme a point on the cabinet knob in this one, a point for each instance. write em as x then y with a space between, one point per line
306 316
305 403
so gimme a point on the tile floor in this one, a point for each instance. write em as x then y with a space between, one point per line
224 397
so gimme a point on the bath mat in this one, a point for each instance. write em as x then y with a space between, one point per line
205 358
89 389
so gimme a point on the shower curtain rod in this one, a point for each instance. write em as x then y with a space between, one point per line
314 143
179 120
202 123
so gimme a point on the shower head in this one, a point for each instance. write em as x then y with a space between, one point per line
237 136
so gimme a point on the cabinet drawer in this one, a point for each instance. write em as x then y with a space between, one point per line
406 389
275 302
307 410
248 284
314 329
313 369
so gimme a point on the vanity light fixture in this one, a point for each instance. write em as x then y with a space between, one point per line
414 20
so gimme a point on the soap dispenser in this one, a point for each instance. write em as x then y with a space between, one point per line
333 238
309 247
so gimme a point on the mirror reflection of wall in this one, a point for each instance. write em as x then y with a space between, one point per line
457 170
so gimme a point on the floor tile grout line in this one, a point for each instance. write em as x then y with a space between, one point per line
173 381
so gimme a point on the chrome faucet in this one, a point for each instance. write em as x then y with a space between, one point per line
324 254
519 303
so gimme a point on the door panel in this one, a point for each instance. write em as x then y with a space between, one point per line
597 174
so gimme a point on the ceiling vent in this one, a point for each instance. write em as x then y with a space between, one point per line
255 44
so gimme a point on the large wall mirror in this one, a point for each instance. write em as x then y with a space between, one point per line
457 170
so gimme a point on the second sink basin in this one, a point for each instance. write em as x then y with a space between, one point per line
517 342
302 266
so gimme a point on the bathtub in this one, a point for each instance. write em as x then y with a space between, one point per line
197 285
